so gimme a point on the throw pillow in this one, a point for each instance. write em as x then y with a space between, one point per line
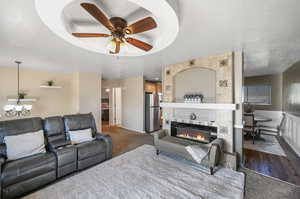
80 136
24 145
198 153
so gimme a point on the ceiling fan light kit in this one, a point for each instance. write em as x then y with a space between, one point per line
119 29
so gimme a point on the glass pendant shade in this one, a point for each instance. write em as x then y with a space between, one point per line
111 46
18 109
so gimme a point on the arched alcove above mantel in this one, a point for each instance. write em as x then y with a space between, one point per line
195 80
221 64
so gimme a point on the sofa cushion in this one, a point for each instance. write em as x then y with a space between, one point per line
26 168
79 122
89 149
23 145
80 136
53 126
21 126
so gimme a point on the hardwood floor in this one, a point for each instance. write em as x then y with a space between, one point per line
283 168
124 140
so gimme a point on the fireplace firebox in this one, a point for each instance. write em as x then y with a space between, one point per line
194 132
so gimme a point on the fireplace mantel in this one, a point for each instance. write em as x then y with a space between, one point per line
230 107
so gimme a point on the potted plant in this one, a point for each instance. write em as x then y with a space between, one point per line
201 96
22 95
50 82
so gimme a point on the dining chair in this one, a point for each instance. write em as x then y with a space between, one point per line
249 125
272 130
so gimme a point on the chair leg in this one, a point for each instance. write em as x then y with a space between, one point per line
157 151
211 170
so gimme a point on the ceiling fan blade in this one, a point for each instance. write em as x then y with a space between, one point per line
139 44
90 35
97 14
117 50
143 25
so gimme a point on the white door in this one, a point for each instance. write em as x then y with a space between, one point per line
118 106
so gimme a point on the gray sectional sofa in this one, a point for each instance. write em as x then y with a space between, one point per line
25 175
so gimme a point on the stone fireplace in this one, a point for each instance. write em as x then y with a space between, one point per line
223 66
197 133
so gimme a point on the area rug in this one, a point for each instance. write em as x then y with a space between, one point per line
140 174
270 145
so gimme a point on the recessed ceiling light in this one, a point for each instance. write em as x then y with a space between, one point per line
107 90
156 78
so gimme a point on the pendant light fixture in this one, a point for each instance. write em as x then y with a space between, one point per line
18 109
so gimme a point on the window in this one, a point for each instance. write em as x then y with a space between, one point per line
258 94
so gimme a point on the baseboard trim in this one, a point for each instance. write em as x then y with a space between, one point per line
130 129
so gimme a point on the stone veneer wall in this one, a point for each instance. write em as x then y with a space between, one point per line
223 65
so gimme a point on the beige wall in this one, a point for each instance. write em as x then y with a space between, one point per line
111 83
89 94
49 102
133 103
275 81
80 92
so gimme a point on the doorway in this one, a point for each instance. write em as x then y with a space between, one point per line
111 107
265 147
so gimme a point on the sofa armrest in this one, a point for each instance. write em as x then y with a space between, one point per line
2 150
58 143
158 135
217 142
215 151
107 139
2 161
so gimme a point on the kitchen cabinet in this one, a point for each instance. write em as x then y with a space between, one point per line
153 87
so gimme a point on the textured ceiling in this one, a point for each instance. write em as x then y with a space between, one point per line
267 31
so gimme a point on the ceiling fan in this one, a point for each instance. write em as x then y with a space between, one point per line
119 29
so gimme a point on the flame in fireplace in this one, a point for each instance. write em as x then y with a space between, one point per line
192 136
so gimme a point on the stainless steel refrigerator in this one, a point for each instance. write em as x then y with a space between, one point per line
152 112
